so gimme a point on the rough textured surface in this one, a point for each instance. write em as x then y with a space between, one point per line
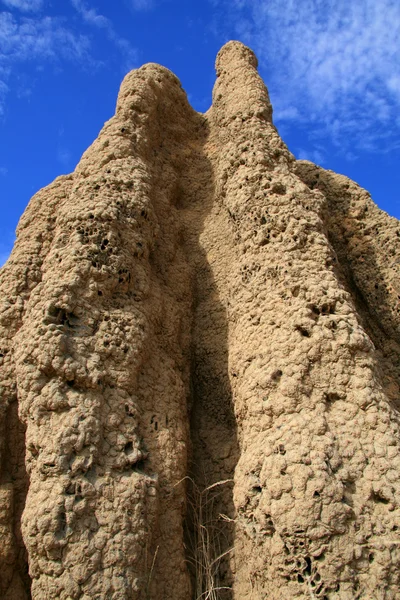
192 306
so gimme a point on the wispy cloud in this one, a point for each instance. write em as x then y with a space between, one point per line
142 4
332 63
40 39
44 38
24 5
92 17
3 171
64 156
3 93
316 156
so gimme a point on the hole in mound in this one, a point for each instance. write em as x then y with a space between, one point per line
307 570
302 331
331 397
379 497
139 466
276 375
128 448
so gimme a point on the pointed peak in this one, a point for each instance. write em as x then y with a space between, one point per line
234 52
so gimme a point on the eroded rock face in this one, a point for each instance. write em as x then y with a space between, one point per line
200 334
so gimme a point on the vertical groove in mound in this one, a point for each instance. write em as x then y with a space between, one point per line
214 446
367 246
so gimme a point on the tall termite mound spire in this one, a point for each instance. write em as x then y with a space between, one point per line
313 355
199 353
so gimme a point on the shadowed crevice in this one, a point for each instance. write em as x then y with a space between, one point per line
209 528
16 583
358 267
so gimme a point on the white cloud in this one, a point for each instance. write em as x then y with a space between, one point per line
289 113
394 85
64 157
92 17
142 4
334 63
316 156
3 93
24 5
3 171
42 39
39 40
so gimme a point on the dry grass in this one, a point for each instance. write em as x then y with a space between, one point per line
150 572
205 539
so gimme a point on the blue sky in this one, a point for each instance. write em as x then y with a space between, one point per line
332 68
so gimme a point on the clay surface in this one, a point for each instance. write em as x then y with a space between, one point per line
199 365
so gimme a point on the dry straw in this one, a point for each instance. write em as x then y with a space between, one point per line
204 539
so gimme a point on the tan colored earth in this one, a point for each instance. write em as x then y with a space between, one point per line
199 357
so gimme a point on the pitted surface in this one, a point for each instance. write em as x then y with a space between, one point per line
192 301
